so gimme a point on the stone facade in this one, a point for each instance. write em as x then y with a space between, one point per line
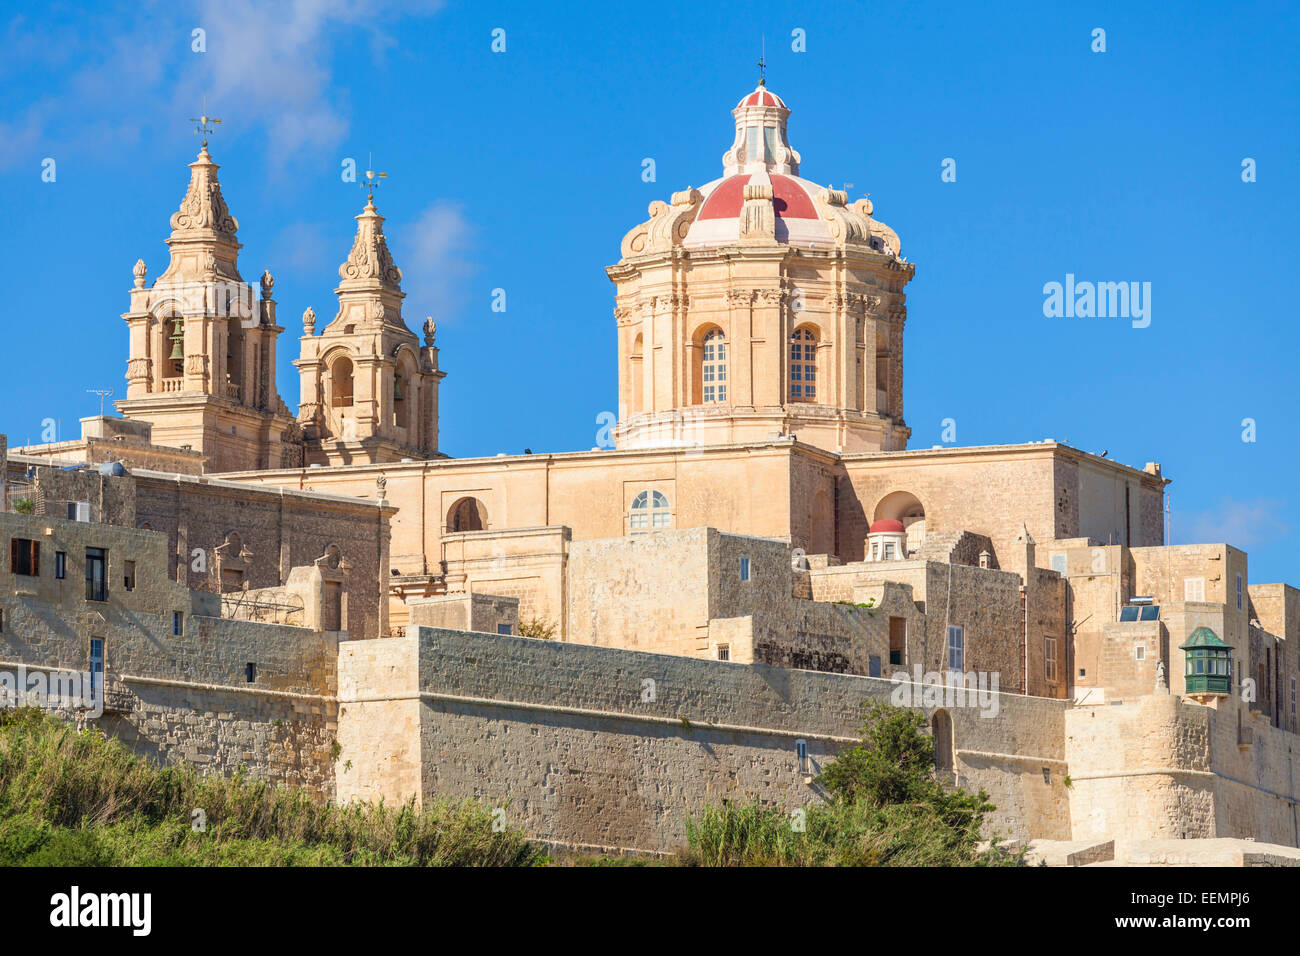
338 608
183 683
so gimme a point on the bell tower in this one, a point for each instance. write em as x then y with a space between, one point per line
201 366
369 390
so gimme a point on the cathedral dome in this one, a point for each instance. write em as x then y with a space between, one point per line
794 202
762 97
761 196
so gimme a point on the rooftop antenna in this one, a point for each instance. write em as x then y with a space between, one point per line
103 393
762 63
206 123
373 179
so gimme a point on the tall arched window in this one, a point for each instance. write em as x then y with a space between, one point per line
715 367
341 386
803 366
174 328
650 510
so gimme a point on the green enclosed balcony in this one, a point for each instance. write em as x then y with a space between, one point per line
1209 665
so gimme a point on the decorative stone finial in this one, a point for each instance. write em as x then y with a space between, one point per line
203 208
140 271
209 266
430 329
382 484
309 321
370 258
268 284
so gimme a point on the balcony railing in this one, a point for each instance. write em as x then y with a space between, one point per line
173 384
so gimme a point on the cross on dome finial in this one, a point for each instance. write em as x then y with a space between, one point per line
762 64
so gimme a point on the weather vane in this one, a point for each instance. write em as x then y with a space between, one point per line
205 123
372 180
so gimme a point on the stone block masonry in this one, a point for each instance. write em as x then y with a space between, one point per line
612 749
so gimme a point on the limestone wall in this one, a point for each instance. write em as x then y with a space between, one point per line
173 697
567 740
1159 767
280 531
984 602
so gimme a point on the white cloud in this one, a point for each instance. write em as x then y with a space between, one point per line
433 254
268 67
1243 524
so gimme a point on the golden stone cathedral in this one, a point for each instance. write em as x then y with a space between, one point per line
760 493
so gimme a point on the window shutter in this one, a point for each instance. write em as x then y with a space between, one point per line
13 555
36 559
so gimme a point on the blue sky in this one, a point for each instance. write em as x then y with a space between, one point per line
522 170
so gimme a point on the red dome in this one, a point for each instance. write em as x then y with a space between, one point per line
761 97
887 525
790 199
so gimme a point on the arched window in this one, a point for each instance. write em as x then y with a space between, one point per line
650 510
467 514
175 346
341 384
803 366
715 367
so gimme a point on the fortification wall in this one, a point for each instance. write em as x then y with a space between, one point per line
570 742
1159 767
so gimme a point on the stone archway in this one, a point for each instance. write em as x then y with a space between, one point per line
905 507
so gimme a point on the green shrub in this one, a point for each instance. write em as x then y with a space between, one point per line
78 798
886 808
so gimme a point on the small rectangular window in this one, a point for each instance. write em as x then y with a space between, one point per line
78 510
250 672
744 569
96 665
1140 652
1060 563
178 624
724 652
60 564
128 575
1194 589
956 647
897 639
1239 600
506 629
1049 658
25 557
873 666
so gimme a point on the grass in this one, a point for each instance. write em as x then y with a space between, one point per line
72 797
835 834
77 798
